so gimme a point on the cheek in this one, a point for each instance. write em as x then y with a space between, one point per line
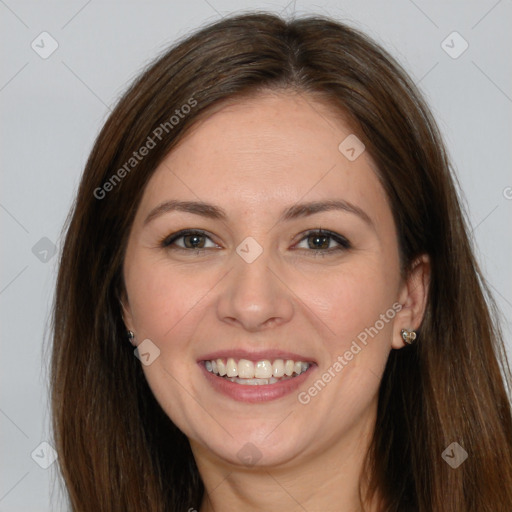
167 306
162 299
356 309
355 304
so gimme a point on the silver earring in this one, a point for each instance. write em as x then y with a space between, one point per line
131 337
408 336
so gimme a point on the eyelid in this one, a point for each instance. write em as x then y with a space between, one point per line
167 241
343 242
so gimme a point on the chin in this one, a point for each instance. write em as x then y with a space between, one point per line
255 448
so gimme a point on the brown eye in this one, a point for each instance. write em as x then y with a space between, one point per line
318 241
194 241
322 242
188 240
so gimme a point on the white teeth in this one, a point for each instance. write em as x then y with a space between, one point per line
254 382
261 372
263 369
221 367
231 368
288 367
245 369
278 368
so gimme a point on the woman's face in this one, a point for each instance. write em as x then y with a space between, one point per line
256 284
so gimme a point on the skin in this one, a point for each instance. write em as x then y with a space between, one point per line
254 158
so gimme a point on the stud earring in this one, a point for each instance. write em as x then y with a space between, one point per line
131 337
408 336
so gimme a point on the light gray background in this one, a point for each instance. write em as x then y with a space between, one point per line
53 108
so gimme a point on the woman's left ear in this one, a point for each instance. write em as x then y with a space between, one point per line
413 299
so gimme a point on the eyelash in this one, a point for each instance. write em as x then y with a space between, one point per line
344 244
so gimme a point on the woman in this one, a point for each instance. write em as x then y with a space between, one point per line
268 216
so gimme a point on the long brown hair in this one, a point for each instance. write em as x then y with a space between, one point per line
117 449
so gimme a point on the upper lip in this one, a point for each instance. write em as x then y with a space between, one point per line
253 355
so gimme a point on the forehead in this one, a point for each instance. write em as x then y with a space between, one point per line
260 152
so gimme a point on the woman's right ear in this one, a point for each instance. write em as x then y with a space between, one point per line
126 315
127 319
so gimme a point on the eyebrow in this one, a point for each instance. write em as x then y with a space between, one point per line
295 211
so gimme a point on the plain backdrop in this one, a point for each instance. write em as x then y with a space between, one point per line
52 109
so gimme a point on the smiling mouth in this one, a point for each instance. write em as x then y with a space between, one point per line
246 372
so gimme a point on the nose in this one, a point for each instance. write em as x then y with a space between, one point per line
254 297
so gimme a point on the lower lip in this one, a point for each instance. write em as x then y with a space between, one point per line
257 393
